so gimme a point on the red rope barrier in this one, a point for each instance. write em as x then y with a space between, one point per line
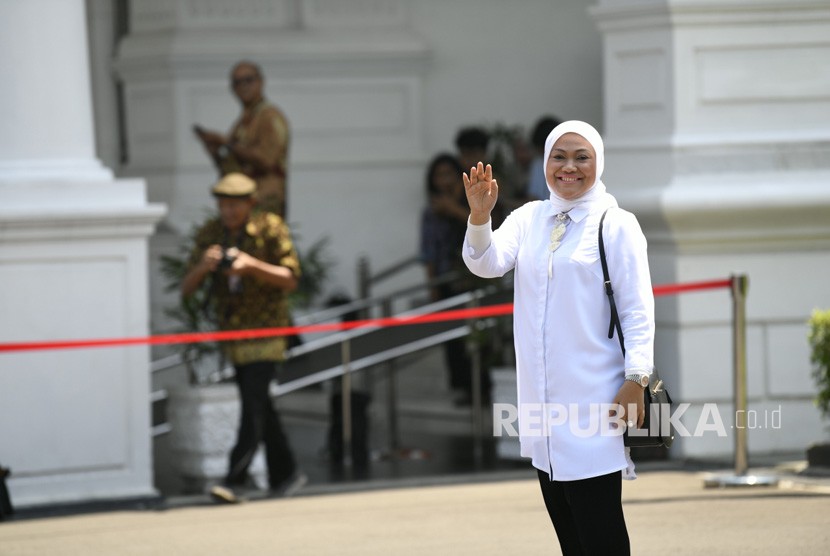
668 289
193 337
223 336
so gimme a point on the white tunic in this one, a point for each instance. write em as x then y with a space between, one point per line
560 323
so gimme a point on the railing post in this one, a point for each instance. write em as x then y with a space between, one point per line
740 285
346 402
475 359
391 393
363 278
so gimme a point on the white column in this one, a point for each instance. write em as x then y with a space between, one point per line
718 137
45 101
103 22
74 424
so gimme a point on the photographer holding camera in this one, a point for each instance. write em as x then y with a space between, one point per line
251 266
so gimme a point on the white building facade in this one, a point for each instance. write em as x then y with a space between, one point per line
717 130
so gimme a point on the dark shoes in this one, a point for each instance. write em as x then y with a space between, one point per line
290 486
224 495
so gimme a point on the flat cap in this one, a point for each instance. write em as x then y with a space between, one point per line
234 185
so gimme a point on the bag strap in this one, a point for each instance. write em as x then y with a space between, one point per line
609 291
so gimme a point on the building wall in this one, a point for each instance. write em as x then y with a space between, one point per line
483 62
365 115
718 138
507 62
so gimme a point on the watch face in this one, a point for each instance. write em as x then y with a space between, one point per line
644 380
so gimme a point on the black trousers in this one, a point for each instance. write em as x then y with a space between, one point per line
587 514
259 422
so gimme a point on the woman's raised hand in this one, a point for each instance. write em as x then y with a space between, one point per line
482 192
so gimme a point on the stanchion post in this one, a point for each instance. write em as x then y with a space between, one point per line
740 285
346 402
740 478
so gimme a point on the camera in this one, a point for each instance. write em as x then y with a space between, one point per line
227 259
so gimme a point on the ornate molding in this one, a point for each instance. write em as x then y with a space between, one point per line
722 213
353 13
621 15
153 16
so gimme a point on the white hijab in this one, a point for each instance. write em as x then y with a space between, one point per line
597 193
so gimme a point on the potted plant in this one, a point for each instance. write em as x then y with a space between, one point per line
818 455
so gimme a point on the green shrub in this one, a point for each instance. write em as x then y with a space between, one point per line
820 357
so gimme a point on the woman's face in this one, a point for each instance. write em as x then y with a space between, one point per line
446 180
571 169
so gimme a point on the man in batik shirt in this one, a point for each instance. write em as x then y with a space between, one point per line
257 144
248 262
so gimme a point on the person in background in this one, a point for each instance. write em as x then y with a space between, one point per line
248 262
257 144
471 144
523 153
443 224
567 366
537 187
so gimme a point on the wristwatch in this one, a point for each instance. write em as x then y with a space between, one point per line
642 380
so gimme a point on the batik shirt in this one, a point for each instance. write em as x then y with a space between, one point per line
244 302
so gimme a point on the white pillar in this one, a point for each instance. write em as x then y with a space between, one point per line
74 424
718 137
45 101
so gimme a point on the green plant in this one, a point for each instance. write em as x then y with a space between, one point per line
316 265
192 314
819 338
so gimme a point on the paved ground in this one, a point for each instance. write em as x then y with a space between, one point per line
444 502
668 512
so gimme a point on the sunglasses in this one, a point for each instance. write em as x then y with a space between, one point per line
247 80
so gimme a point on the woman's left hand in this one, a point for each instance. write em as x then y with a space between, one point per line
630 396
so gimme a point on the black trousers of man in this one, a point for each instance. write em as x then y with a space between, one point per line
259 422
587 514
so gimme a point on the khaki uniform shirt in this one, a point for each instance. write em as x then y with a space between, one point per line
264 129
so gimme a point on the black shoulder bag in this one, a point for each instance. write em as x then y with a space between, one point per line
656 430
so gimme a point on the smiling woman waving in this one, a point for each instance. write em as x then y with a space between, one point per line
570 374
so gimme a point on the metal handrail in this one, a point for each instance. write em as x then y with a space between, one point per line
338 337
362 304
394 268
